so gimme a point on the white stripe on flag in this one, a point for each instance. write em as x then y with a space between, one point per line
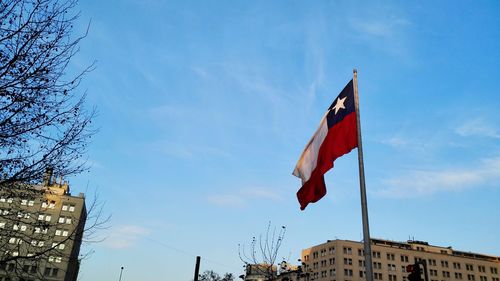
308 159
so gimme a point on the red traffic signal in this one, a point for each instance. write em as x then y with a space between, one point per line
414 270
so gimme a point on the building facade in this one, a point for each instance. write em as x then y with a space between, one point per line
41 228
343 260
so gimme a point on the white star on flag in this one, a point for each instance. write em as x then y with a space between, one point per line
339 104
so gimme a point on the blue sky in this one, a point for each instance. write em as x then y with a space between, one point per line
205 106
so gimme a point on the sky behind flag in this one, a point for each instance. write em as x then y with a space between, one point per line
204 107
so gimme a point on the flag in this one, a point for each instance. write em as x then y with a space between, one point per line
336 136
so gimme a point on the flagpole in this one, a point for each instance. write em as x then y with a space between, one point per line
362 187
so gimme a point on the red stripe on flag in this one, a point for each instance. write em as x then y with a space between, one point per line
341 139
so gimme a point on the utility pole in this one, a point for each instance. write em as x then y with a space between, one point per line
197 268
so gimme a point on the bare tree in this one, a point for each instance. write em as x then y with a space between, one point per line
260 256
43 122
44 125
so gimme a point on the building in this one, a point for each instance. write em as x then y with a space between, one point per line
342 260
41 228
260 272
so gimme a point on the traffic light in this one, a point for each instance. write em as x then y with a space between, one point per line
414 270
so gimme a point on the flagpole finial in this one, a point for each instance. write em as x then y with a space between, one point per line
355 71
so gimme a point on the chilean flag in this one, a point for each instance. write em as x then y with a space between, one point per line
336 136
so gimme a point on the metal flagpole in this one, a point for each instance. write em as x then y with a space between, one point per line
364 206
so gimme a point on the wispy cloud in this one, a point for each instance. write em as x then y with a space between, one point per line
226 200
427 182
242 197
124 236
379 27
389 34
477 127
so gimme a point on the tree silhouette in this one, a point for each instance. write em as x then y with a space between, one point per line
43 122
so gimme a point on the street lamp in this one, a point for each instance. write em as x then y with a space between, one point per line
121 271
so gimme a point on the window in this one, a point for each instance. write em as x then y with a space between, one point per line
58 232
458 275
55 271
377 276
493 270
47 271
471 277
481 268
48 217
23 227
52 205
444 263
376 255
446 274
13 240
40 230
390 256
31 203
2 224
377 265
432 262
483 278
65 207
15 227
347 261
58 259
332 272
469 267
361 263
331 250
24 202
347 251
65 233
332 261
404 258
433 272
60 220
361 252
348 272
392 277
456 265
71 208
44 204
391 267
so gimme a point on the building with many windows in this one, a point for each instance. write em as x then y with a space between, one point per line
41 228
342 260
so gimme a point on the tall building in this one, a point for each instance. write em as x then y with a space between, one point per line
343 260
41 228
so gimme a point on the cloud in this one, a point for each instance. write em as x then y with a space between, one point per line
421 182
477 127
124 236
242 197
226 200
379 28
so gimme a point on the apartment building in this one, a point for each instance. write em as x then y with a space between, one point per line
41 228
343 260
